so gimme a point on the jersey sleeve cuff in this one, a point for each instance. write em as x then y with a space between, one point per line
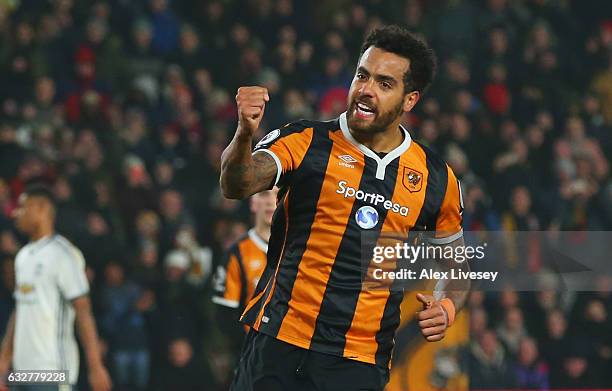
77 295
225 302
447 239
279 167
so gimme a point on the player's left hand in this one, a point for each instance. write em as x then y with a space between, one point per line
433 320
99 379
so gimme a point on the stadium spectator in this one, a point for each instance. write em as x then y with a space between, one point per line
512 330
489 366
184 370
553 345
123 325
531 372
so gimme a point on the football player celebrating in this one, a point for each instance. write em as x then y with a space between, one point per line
314 323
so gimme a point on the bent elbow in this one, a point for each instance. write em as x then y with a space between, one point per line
230 192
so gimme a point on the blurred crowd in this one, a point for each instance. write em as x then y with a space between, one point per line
124 106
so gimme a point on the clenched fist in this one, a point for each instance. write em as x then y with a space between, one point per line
251 103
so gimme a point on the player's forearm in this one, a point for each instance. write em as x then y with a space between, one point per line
88 333
458 293
6 351
242 173
456 290
237 169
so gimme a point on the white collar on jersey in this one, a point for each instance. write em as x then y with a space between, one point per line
384 162
41 242
259 242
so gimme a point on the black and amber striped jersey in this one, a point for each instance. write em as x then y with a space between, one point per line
332 189
236 278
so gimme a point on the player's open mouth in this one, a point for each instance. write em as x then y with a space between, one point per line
364 111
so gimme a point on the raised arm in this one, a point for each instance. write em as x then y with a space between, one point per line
244 174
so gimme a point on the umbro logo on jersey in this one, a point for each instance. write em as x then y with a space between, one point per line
347 158
346 161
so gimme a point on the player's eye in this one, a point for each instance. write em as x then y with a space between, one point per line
386 85
360 76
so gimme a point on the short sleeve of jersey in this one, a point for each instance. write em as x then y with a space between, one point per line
287 146
449 219
71 277
227 283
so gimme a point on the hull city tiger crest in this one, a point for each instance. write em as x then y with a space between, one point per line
412 179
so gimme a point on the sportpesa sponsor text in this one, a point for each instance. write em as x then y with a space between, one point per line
371 198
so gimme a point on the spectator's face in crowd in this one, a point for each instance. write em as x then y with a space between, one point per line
478 322
547 299
114 274
263 206
164 173
461 128
556 324
185 237
541 36
180 353
514 320
488 343
189 39
148 256
45 90
96 31
240 35
535 137
457 71
509 298
62 189
575 128
496 5
476 299
528 351
96 225
376 97
171 204
521 201
25 34
142 35
498 41
147 224
575 366
596 312
159 5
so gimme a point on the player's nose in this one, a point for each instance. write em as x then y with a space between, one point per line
367 89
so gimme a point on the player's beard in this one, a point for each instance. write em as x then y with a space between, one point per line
381 120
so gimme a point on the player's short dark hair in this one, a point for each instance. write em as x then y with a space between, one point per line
42 191
398 40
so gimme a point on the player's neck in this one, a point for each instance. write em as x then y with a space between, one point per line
385 141
263 231
42 231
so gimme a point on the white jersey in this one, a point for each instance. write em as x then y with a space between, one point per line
50 273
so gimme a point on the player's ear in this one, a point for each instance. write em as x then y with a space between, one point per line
410 100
